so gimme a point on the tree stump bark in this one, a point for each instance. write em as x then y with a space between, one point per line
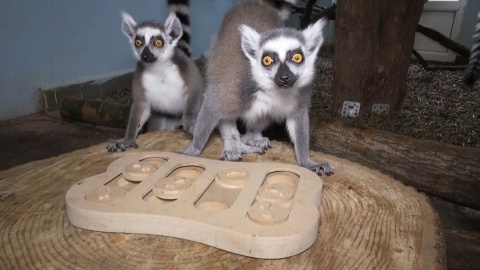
373 45
369 220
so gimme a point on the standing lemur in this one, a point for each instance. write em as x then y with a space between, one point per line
259 71
166 80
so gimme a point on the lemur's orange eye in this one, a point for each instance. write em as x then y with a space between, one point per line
297 58
138 42
158 43
267 60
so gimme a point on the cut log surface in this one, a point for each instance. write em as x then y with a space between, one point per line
368 219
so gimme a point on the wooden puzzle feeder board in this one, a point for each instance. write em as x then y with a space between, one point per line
262 210
368 220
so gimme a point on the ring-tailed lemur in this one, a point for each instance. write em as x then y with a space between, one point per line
259 72
182 10
472 72
165 79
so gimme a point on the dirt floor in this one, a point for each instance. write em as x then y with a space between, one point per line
38 136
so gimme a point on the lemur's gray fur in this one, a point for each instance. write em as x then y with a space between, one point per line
259 72
165 79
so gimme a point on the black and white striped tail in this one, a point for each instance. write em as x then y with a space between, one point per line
182 10
472 71
283 7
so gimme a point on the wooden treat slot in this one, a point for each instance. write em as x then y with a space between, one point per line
105 194
121 182
175 184
279 188
267 213
151 198
259 210
139 171
212 206
191 172
232 177
159 161
171 187
222 193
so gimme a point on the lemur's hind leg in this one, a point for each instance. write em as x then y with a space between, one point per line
254 137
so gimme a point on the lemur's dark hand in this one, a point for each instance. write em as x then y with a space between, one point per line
318 167
113 145
186 125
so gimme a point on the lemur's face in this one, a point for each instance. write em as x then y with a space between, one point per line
152 41
282 58
149 44
281 61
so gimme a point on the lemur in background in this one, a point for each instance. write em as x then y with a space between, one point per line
259 71
165 80
472 72
283 7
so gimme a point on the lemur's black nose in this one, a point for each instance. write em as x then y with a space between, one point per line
147 56
285 78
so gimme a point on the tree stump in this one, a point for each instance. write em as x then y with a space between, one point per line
373 45
369 220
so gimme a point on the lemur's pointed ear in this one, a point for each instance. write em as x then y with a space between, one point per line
173 27
128 25
313 35
250 41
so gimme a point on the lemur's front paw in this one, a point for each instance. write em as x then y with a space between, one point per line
113 145
318 167
256 140
190 151
235 154
247 149
186 125
231 155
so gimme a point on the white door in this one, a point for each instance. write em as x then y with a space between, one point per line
445 16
